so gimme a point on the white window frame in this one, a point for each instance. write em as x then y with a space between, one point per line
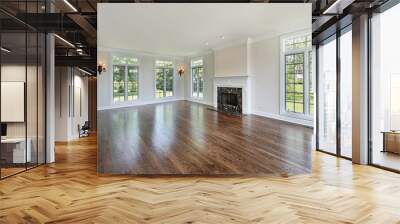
191 78
283 52
155 78
125 79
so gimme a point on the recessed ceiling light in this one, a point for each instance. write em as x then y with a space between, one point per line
206 43
64 40
70 5
84 71
222 37
5 50
334 7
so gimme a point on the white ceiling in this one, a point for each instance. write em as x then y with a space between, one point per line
183 29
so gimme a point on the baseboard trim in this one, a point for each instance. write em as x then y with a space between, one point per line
199 101
309 124
141 103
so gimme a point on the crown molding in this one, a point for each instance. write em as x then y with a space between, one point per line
131 52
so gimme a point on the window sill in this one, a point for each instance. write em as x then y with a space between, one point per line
164 97
298 118
197 97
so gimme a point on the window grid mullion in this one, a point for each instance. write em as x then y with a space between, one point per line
306 92
126 83
198 81
195 80
165 83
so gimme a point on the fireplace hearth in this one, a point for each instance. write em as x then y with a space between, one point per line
229 100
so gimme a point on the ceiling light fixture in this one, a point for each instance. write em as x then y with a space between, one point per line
5 50
70 5
222 37
206 43
334 6
86 72
64 40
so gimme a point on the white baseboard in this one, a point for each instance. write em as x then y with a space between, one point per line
199 101
284 118
140 103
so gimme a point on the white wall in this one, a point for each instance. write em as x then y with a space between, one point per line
15 72
67 113
62 82
146 79
264 66
231 60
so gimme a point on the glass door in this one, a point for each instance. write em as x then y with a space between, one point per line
15 149
385 90
22 78
327 128
346 92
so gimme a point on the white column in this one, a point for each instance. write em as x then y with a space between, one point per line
50 100
360 90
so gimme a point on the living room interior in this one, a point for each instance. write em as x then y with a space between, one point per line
229 69
250 112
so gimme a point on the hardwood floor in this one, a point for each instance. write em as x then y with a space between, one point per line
70 191
189 139
386 159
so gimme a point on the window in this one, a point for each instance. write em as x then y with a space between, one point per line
164 79
294 80
385 89
310 83
197 78
327 96
125 79
345 81
297 82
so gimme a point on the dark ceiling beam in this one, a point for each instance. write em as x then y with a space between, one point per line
78 61
49 22
84 24
15 18
91 5
321 22
332 29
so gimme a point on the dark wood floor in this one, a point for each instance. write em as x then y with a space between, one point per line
187 138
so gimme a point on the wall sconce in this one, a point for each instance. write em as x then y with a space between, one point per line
181 70
101 68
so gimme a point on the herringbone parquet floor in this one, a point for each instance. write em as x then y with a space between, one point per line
70 191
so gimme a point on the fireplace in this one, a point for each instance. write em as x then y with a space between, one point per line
229 100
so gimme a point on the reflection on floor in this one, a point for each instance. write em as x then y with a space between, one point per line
70 191
387 159
10 171
187 138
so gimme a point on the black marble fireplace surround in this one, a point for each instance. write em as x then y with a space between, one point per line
229 100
